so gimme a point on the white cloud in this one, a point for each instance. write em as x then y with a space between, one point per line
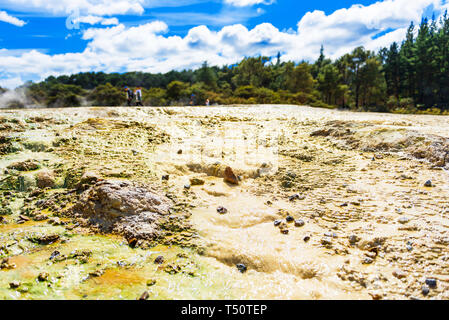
244 3
147 47
92 20
91 7
66 7
5 17
11 83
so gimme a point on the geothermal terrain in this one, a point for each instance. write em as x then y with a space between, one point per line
261 202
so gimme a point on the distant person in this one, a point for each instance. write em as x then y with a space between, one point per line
129 96
192 100
138 95
207 102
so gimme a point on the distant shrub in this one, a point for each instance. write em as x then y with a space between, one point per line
406 103
64 95
392 103
155 97
432 111
406 106
107 95
175 90
245 92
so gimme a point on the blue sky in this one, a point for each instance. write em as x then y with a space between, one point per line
48 33
157 36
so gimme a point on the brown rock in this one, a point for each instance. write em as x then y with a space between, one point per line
5 264
40 217
230 177
89 178
196 182
145 296
132 242
43 276
28 165
45 179
376 295
45 239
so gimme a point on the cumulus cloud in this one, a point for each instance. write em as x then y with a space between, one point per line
147 47
5 17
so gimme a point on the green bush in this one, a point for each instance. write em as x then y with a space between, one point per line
245 92
107 95
392 103
406 106
406 103
266 96
155 97
64 95
175 90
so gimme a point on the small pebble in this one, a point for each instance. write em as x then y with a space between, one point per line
403 220
151 282
425 290
145 296
241 267
399 274
132 242
222 210
353 239
43 276
428 184
432 283
296 197
159 260
299 223
326 241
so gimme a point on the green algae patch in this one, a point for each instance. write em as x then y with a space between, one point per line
104 267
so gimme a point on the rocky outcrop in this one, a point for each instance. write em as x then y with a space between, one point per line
369 138
123 207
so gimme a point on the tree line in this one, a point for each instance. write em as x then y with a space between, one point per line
411 77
